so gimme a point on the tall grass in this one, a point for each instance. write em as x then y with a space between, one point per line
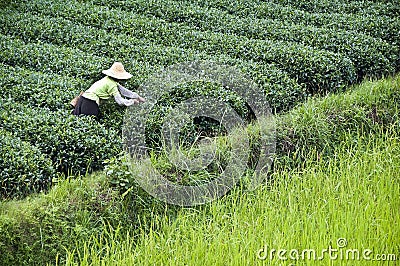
354 196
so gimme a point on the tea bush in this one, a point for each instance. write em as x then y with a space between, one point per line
24 169
74 145
42 89
313 129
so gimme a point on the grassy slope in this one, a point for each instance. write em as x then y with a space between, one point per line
353 196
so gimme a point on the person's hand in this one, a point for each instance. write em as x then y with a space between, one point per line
139 99
132 102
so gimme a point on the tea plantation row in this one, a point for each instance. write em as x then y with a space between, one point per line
371 56
377 8
320 70
67 61
40 89
51 50
380 26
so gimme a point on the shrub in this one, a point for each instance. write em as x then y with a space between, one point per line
51 59
40 89
24 169
74 144
38 230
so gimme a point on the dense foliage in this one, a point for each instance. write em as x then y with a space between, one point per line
73 144
24 169
52 50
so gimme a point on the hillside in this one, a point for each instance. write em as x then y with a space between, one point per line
52 50
325 74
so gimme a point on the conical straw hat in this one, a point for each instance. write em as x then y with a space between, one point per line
117 71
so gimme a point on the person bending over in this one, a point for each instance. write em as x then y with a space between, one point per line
88 103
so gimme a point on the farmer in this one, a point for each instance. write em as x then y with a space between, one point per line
88 103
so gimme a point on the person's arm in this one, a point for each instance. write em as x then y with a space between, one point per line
121 101
127 93
130 94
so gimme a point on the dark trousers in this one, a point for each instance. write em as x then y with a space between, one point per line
86 107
